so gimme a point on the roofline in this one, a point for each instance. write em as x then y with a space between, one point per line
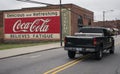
48 7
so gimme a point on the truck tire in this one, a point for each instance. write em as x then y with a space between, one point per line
99 54
71 54
111 51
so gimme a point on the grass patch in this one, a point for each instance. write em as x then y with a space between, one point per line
5 46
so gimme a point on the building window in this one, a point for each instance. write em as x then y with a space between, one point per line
80 22
89 23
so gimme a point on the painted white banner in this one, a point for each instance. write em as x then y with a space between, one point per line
32 36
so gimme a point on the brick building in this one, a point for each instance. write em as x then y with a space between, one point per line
108 24
73 17
1 26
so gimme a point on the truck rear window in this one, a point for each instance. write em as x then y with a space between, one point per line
91 30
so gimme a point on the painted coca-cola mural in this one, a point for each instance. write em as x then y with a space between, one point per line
32 25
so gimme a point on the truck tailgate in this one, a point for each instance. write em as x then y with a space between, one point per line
78 41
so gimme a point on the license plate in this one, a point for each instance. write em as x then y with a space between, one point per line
78 49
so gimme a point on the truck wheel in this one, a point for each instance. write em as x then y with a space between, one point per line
99 54
111 51
71 54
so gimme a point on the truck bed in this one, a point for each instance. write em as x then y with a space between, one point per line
74 41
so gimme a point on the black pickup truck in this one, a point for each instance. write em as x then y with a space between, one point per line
90 40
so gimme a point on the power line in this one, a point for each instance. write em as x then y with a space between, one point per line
30 1
48 4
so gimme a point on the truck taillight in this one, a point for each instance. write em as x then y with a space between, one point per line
94 41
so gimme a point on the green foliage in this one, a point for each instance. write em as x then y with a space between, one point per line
4 46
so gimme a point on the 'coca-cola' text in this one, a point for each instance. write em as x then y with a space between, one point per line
38 25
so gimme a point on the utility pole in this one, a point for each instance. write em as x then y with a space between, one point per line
103 15
104 12
103 18
60 23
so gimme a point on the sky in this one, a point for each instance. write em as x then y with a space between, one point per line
97 6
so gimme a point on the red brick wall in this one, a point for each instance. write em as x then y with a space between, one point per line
86 16
1 18
109 24
1 26
76 11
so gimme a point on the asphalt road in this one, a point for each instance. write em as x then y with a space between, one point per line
57 62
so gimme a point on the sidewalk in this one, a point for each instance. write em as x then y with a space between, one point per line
27 50
117 38
31 49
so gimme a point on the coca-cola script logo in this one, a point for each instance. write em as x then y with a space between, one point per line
34 26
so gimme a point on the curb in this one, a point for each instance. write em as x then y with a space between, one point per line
29 53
